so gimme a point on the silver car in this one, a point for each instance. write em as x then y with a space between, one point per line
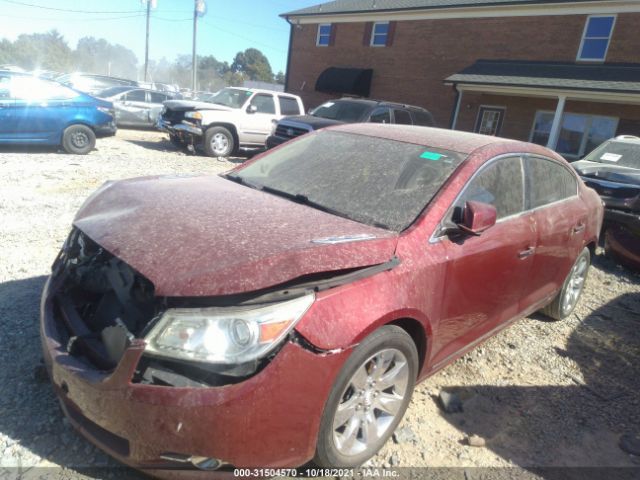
136 107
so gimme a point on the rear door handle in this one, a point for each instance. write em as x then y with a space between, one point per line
526 253
578 228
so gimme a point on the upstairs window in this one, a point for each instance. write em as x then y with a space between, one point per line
324 35
596 38
379 34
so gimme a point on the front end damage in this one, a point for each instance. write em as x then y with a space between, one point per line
153 412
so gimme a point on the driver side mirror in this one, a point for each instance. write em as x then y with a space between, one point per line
477 217
252 109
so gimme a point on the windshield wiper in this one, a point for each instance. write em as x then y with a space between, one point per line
304 200
241 181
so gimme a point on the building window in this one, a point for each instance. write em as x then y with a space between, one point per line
489 120
579 134
596 38
324 35
380 34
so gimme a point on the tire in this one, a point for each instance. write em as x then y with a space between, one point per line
78 139
219 142
344 439
565 302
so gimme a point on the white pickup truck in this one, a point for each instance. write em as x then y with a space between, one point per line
234 118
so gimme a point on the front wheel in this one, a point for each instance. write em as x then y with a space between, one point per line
218 142
78 139
566 301
368 399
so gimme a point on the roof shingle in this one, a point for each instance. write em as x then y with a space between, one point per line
361 6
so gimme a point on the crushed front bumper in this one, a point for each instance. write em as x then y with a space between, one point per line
268 420
180 129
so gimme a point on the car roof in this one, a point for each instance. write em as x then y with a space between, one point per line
376 103
454 140
625 139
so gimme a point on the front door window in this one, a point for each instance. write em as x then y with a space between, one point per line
489 121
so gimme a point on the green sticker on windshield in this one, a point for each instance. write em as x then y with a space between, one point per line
431 156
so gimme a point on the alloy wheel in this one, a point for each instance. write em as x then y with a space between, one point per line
219 144
576 283
371 401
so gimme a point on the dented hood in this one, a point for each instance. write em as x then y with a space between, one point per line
188 105
208 236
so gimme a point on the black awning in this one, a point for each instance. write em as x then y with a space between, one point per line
352 81
608 77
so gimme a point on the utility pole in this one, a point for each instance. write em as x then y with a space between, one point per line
146 49
193 54
199 10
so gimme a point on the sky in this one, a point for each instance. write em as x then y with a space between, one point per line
229 26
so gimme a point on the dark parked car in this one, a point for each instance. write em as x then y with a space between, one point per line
136 107
347 110
613 170
42 112
284 311
92 84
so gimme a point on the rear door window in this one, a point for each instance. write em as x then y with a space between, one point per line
548 182
155 97
380 115
288 106
402 117
422 118
136 96
500 184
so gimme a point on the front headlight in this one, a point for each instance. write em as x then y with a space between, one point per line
225 335
193 115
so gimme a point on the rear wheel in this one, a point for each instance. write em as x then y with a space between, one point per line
566 301
218 142
368 399
78 139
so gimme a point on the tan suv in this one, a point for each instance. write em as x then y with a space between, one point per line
232 119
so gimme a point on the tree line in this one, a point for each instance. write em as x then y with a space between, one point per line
50 51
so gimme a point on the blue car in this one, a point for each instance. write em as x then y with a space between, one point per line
43 112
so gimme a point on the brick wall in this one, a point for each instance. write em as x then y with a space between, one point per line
425 52
520 113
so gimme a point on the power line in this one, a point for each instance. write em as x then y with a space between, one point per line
24 4
245 38
75 19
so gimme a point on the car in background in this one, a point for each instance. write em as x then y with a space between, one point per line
136 107
232 119
347 110
613 170
41 112
92 84
284 311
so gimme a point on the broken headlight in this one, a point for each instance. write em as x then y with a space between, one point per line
225 335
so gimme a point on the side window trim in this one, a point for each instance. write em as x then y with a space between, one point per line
436 235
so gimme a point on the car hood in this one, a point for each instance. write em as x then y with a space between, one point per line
608 173
185 105
314 122
208 236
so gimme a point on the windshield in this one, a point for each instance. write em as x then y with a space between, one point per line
111 91
378 182
230 97
623 154
343 111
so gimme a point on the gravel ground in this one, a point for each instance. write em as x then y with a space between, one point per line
539 394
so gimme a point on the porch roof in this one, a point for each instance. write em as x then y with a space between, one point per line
608 77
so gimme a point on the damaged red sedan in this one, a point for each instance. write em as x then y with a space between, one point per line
284 311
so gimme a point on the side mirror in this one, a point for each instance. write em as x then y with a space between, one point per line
252 109
477 217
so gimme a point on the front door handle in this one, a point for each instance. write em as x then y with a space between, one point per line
526 253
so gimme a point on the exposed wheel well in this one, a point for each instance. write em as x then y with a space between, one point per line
229 126
417 333
592 249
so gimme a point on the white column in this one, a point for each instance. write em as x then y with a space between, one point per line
557 123
456 111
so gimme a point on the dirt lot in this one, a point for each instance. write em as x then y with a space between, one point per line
540 394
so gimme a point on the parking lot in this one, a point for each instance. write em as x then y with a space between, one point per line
540 394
